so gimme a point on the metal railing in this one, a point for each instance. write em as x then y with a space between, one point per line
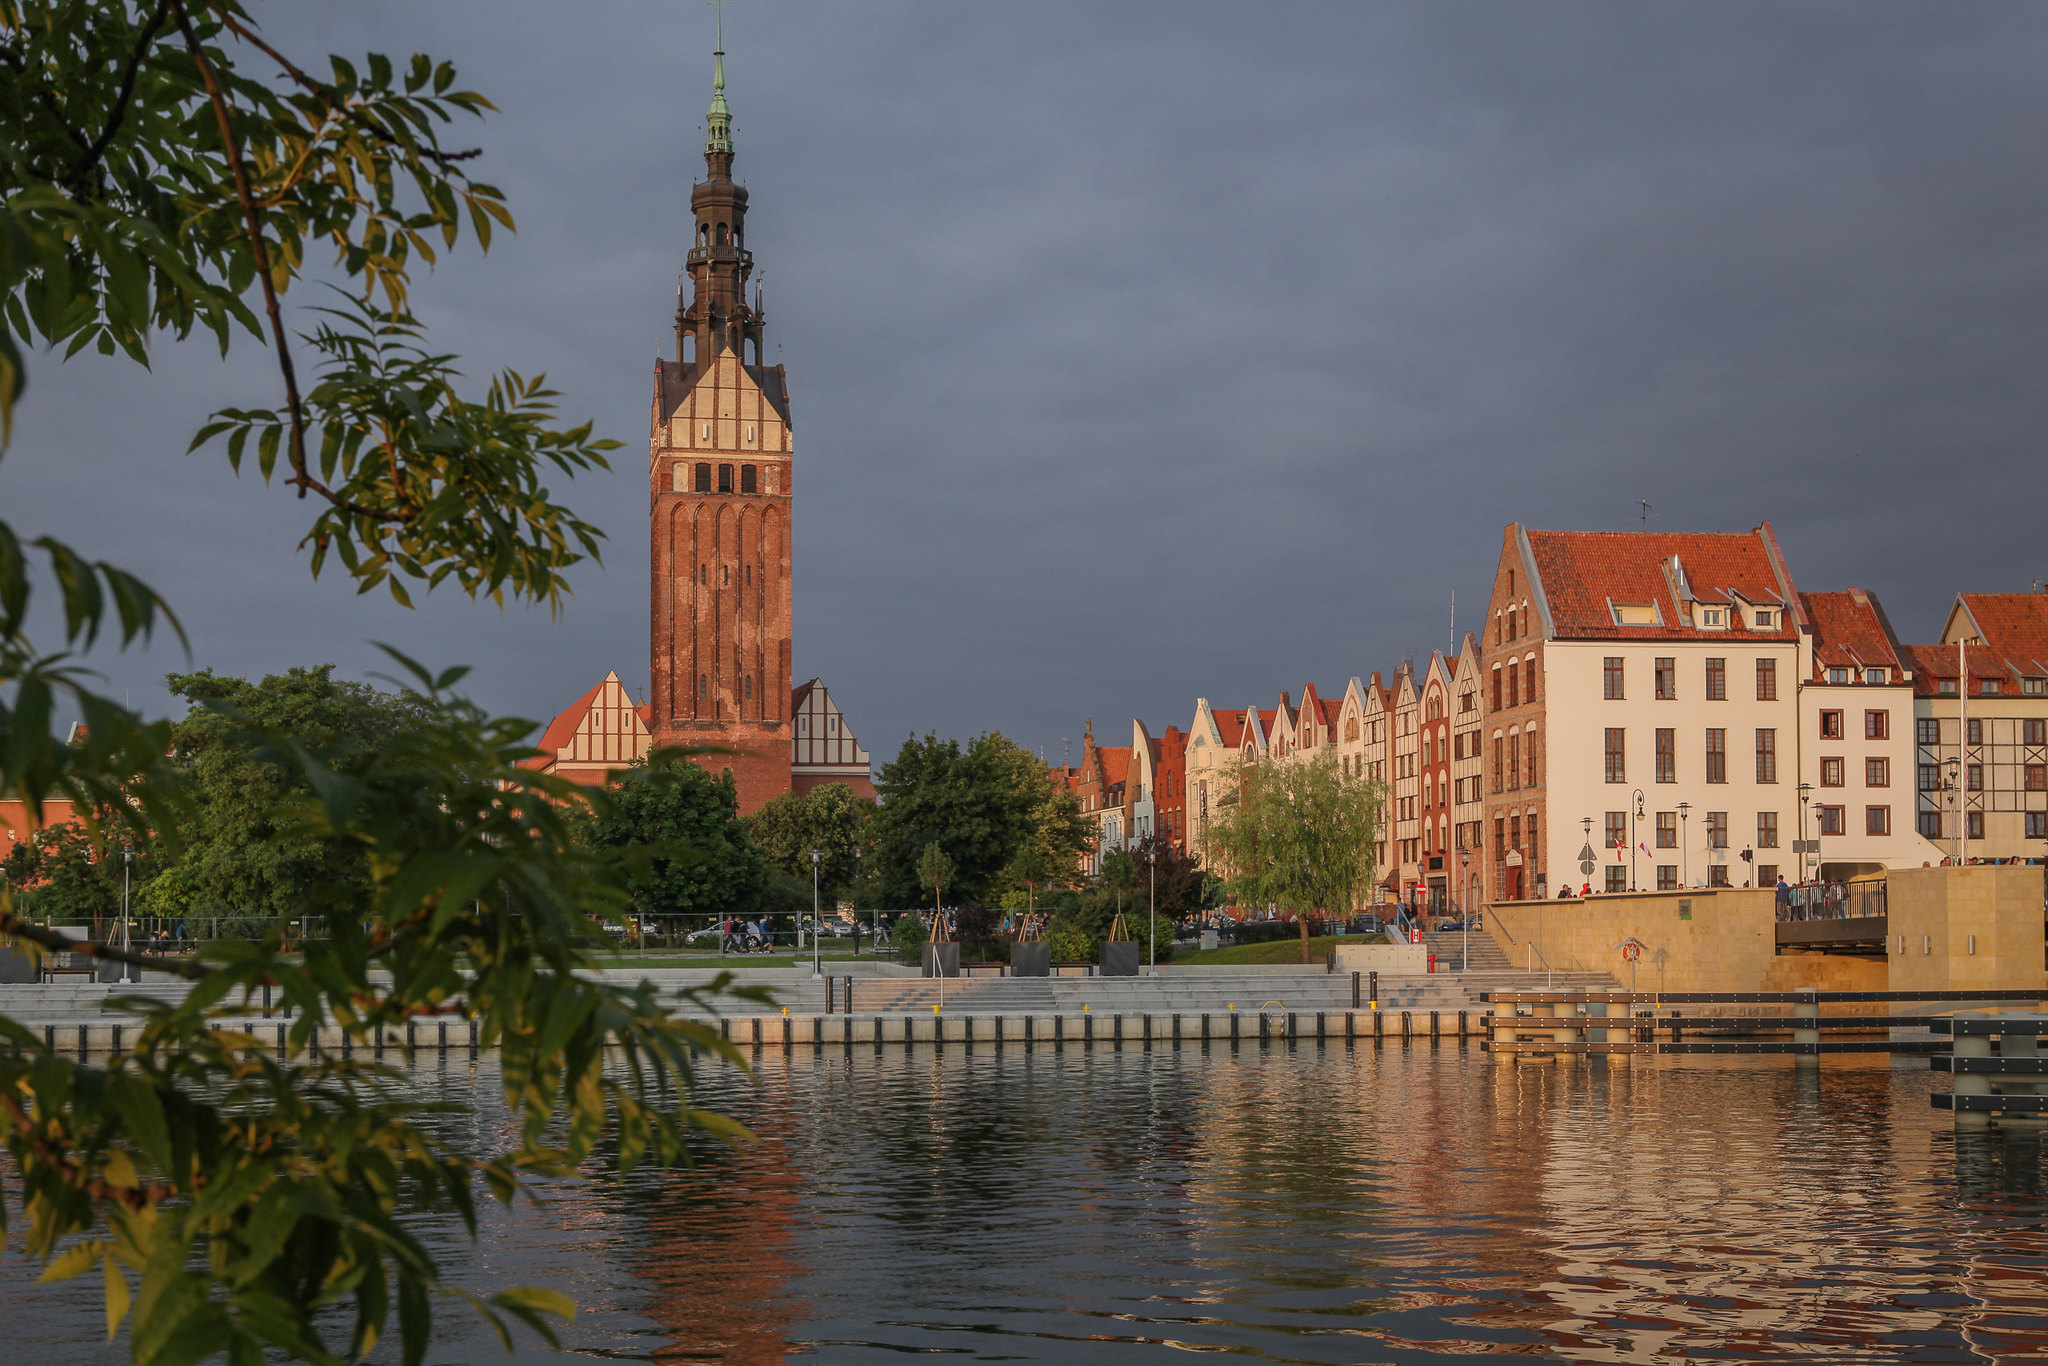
1834 901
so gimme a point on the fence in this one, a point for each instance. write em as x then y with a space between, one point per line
1833 901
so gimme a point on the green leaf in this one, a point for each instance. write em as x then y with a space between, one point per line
72 1262
117 1296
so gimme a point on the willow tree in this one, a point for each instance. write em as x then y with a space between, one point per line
166 170
1297 834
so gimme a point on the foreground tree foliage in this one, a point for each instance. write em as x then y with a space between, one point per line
163 169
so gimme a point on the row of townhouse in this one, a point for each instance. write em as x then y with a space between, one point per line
1648 711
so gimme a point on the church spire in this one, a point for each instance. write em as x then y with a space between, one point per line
719 265
718 121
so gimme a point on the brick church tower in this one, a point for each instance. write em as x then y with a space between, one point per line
720 493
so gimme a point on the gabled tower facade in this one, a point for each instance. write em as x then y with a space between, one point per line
720 489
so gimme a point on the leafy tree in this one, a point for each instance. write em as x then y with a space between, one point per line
692 853
935 870
831 818
243 853
1176 878
981 804
163 168
69 875
1299 835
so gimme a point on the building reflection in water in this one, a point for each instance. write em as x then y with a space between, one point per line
1338 1205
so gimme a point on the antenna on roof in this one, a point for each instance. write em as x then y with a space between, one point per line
1454 621
1645 504
1064 754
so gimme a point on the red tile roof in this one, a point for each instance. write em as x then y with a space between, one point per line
1582 572
1116 762
2015 627
1849 628
1229 725
561 730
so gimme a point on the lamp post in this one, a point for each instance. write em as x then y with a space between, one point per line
817 963
1635 817
1152 914
1587 863
1465 871
1950 786
129 972
1684 848
1806 845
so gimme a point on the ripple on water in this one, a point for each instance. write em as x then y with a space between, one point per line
1273 1203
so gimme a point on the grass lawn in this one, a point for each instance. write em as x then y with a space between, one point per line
1278 951
732 960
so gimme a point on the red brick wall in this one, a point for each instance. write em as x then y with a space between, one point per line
1508 638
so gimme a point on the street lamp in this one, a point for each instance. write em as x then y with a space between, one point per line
1635 817
817 964
1684 848
1152 916
1806 845
1465 870
1951 787
129 972
1587 863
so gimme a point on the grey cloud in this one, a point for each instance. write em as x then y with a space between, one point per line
1156 349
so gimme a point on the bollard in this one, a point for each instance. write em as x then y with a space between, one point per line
1205 1026
1350 1024
1233 1023
1354 983
1807 1007
1176 1026
1407 1024
1972 1083
1319 1025
1379 1023
831 992
1373 995
1461 1026
1435 1027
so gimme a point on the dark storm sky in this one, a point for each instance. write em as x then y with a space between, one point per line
1142 351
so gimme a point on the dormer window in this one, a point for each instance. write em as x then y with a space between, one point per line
1947 687
1838 674
2034 687
1765 618
1636 614
1713 618
1873 676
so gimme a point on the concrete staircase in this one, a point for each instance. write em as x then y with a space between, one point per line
1184 992
1189 994
1449 948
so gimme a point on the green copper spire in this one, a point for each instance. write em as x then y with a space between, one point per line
718 122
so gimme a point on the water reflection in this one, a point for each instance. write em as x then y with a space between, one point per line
1282 1203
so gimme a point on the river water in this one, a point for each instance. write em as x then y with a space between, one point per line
1280 1203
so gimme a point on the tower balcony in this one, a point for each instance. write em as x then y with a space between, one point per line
727 255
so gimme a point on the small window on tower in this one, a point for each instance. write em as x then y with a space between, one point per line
703 478
703 686
750 576
750 686
749 479
725 479
704 574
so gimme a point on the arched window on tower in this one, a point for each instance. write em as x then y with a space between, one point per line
703 478
749 479
725 479
724 235
750 687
